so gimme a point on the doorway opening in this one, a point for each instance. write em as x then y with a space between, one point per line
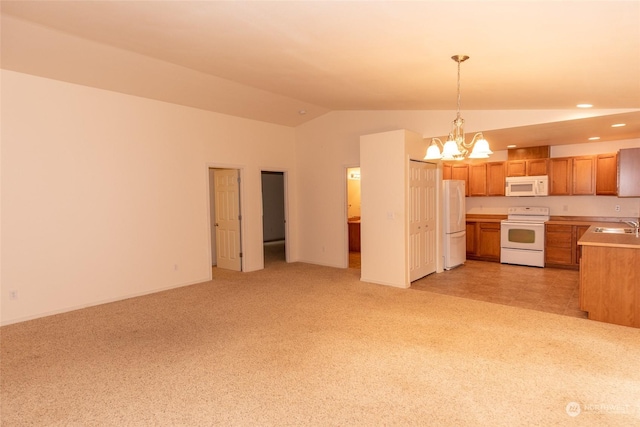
274 223
225 218
353 216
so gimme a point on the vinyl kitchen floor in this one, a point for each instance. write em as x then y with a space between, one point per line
545 289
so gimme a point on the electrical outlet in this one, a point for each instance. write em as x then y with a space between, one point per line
617 208
13 294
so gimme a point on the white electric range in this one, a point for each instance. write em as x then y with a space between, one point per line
522 236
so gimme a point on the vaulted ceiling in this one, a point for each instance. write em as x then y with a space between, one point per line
319 56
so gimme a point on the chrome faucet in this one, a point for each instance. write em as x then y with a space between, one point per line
635 225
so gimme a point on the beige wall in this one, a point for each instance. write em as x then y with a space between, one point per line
104 195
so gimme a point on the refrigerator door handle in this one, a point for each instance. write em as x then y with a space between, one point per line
460 199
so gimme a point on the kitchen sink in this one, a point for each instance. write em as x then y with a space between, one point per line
614 230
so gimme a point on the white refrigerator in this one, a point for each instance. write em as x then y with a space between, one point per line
454 227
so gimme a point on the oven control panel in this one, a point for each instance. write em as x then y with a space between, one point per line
536 210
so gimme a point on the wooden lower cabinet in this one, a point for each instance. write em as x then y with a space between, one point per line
561 245
471 239
354 236
483 241
608 284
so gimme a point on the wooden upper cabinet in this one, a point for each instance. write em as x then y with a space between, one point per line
629 172
461 172
478 180
517 168
530 167
607 174
495 178
486 179
560 176
536 167
584 175
446 171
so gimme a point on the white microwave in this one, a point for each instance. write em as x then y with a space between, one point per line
527 186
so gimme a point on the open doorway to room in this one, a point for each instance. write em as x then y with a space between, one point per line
353 215
225 217
274 223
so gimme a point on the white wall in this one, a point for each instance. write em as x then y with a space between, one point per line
385 169
104 195
383 208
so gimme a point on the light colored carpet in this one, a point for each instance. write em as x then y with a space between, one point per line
297 344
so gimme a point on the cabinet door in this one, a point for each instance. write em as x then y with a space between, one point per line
446 171
584 182
478 180
560 176
536 167
471 238
629 172
579 231
517 168
495 178
558 244
354 237
489 240
607 174
461 172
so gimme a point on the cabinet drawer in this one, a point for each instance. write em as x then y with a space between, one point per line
557 228
489 225
553 255
559 240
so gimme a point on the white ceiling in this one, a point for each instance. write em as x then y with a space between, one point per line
381 55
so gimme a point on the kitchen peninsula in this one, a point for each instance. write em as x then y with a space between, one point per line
610 277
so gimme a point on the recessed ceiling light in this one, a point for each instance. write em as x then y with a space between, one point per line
302 112
584 105
512 146
594 138
618 125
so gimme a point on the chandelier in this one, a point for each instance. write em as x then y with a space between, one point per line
456 148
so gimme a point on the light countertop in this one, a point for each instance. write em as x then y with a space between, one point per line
591 238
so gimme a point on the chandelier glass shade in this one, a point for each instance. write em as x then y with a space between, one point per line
456 148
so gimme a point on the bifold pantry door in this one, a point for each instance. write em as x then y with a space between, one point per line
422 219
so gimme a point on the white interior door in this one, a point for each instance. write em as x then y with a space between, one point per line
422 220
227 217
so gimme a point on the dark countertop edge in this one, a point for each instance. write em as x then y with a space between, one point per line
555 219
590 218
485 217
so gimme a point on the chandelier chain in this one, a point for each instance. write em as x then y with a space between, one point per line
458 114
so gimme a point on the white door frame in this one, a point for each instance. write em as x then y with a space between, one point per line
285 183
345 196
